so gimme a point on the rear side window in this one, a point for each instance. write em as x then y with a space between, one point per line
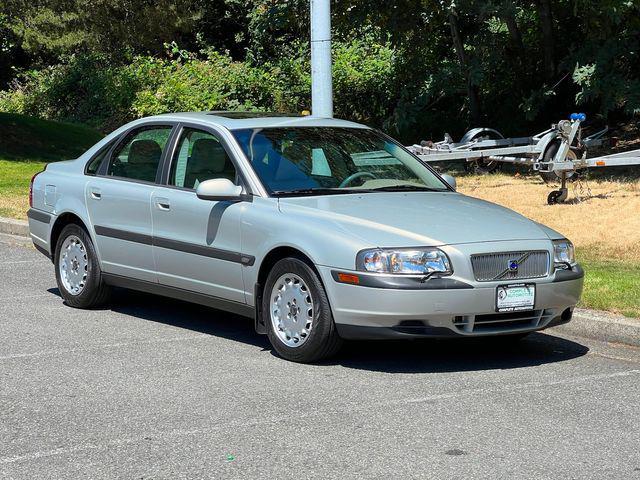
94 164
138 156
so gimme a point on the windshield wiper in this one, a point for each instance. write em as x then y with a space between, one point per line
407 188
318 191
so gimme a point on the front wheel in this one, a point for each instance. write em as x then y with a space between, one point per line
77 269
296 310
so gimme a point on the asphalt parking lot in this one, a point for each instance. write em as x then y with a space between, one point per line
155 388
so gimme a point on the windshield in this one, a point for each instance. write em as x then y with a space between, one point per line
327 160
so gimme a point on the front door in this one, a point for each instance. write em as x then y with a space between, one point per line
119 203
197 242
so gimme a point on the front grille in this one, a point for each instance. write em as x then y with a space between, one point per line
489 267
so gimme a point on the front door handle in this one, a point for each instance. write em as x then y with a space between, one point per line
163 204
95 193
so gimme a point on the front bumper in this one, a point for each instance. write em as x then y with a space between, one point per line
448 309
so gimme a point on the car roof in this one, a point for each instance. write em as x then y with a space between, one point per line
241 120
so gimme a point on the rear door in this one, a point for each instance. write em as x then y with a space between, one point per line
197 242
119 202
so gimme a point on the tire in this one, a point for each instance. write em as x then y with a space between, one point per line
480 166
90 291
550 152
298 281
554 197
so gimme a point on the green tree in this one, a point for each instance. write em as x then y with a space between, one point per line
48 29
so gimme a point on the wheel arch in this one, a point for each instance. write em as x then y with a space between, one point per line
545 143
474 132
64 219
269 260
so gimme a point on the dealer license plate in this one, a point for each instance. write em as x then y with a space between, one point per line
515 297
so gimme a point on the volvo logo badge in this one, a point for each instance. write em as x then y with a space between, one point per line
513 265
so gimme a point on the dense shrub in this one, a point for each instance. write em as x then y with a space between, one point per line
82 89
87 89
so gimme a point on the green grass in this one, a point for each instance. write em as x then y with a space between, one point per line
610 284
26 145
14 186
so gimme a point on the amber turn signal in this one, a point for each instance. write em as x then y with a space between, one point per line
348 278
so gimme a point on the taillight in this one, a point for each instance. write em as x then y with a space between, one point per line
31 189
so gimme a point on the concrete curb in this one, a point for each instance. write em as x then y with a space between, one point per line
15 227
603 326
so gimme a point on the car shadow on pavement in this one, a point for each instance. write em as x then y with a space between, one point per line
185 315
411 356
188 316
455 355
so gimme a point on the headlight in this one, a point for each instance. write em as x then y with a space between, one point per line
563 253
404 261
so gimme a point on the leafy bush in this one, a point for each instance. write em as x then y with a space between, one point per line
88 89
83 89
215 83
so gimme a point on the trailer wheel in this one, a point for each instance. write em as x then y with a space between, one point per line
554 197
550 152
479 165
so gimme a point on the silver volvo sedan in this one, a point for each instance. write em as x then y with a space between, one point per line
319 229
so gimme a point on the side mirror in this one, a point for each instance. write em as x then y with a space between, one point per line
219 189
449 179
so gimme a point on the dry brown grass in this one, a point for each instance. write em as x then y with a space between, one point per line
14 205
608 222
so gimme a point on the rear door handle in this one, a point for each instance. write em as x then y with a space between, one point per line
95 193
163 204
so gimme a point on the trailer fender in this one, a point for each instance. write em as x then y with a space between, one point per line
545 142
480 132
481 165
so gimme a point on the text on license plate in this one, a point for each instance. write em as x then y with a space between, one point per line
518 296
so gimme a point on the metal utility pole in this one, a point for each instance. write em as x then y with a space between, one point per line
321 82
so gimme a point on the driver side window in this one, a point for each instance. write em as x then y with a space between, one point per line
200 156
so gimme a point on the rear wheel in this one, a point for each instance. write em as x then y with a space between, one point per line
295 306
78 272
482 166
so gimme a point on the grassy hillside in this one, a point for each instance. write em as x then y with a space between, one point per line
26 145
33 139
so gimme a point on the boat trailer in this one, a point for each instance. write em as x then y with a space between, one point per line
556 154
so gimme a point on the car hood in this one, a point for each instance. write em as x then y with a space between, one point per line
390 219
